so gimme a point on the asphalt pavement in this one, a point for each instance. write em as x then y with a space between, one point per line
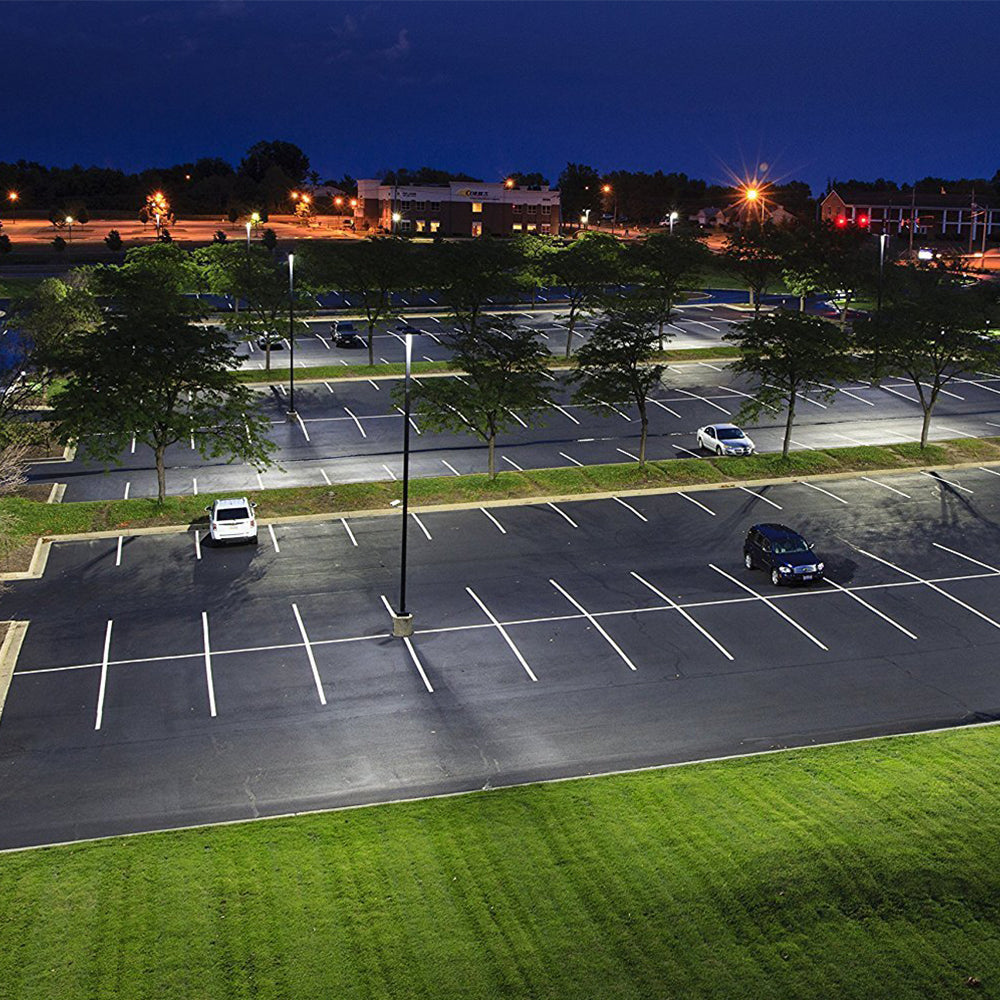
164 682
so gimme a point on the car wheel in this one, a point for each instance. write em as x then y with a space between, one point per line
748 560
718 451
775 578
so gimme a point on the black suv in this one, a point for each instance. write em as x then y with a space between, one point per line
784 553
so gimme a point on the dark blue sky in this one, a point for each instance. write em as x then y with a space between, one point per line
814 89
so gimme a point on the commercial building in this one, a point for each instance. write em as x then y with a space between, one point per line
459 208
956 217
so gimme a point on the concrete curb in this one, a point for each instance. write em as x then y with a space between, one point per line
173 529
9 652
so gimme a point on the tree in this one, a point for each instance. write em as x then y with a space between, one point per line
233 215
220 236
932 337
579 190
754 254
59 244
155 373
286 156
472 275
787 352
502 368
665 265
113 241
269 240
531 253
585 268
851 257
5 244
615 365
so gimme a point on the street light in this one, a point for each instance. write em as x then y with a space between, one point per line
607 189
291 336
395 220
402 620
12 197
69 222
248 236
673 219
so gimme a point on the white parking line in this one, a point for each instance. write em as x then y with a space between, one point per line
413 423
503 530
663 406
517 418
941 479
846 392
208 664
322 341
958 433
260 482
503 632
564 412
595 623
693 395
350 534
326 478
912 399
434 337
562 514
451 467
420 524
118 553
570 458
961 555
944 392
978 385
659 593
819 489
709 325
274 539
197 544
511 462
927 583
745 395
885 486
133 444
374 385
194 485
791 621
309 654
705 364
992 472
870 607
687 451
628 506
615 409
760 496
298 417
392 475
697 503
104 677
356 421
627 454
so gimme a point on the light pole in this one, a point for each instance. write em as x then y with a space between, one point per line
402 620
673 219
607 189
69 222
395 222
248 237
12 197
291 335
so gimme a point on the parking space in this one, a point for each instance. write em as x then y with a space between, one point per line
156 679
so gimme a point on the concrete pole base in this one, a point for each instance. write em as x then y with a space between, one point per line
402 626
291 415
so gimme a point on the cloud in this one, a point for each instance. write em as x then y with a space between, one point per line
401 47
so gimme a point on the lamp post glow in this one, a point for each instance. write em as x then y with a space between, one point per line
673 219
291 335
69 222
402 620
248 237
395 221
12 197
607 189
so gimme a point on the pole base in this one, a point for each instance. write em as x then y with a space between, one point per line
402 626
291 415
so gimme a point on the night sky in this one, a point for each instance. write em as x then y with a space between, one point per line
814 89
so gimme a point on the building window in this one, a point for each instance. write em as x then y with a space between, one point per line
404 224
532 210
420 206
420 225
546 209
477 229
531 227
406 206
546 228
435 206
477 206
516 226
517 209
434 225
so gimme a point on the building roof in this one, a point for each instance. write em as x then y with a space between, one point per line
903 199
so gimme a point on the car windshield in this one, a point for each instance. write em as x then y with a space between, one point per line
729 433
232 514
785 545
345 328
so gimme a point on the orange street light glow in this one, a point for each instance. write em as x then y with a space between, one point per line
12 196
354 203
752 194
606 189
509 183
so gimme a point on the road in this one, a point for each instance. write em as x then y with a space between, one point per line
162 682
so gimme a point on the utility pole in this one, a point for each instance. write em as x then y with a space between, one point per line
913 215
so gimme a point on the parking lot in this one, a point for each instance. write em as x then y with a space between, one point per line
349 431
164 682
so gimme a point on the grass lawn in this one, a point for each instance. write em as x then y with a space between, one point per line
861 871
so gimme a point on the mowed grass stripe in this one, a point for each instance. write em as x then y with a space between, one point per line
855 871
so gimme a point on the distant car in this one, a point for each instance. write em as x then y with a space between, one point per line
232 520
404 327
725 439
346 335
783 553
270 341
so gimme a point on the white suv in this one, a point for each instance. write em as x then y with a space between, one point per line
233 520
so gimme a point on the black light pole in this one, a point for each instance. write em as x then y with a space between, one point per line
402 620
883 239
291 335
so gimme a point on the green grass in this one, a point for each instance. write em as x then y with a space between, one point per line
331 373
31 518
860 871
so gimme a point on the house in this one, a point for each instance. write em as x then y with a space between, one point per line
710 217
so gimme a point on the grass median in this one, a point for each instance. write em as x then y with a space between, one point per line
32 518
858 871
334 372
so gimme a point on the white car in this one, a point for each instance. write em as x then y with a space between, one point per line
232 520
725 439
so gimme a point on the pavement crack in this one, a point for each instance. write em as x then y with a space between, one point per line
250 793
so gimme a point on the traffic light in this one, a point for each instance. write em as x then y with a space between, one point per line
841 221
863 221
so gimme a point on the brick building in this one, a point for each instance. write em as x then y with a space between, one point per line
960 217
460 208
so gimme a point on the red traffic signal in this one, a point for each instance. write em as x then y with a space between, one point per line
863 221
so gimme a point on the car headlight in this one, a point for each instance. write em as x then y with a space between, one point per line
784 569
819 567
